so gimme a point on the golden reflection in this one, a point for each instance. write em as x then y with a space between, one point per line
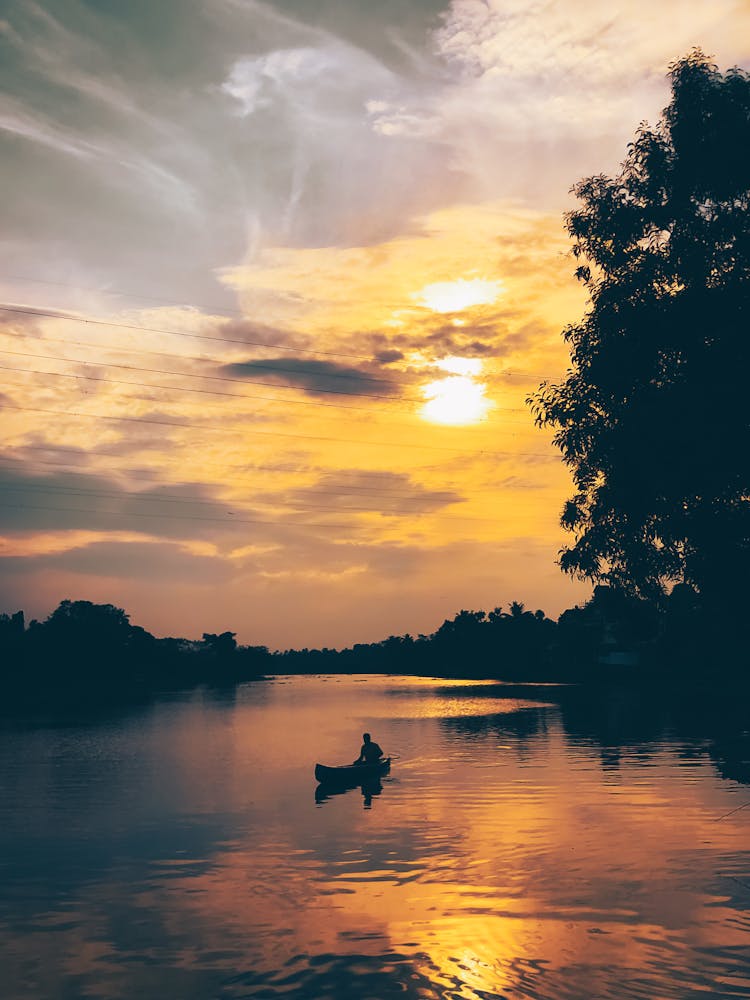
501 859
445 707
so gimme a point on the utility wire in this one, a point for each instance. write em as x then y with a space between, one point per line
167 497
183 517
286 434
176 388
213 392
209 392
73 318
216 378
292 505
180 517
137 296
13 462
223 312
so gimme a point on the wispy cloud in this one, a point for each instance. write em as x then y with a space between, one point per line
537 93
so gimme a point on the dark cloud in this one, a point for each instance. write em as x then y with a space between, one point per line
388 356
163 561
380 492
315 377
495 334
433 337
65 501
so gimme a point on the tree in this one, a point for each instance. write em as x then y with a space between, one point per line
652 417
100 627
220 645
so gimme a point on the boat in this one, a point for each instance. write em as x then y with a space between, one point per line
353 774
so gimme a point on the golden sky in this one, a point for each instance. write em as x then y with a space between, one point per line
276 284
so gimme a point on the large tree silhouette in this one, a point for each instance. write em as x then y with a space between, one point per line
652 417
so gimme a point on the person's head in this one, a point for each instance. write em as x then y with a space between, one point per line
366 737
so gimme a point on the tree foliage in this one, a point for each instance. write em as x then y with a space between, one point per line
652 417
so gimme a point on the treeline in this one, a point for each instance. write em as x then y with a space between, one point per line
86 651
91 652
612 636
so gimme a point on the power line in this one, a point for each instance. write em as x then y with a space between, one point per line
13 462
72 318
286 434
166 497
172 388
223 311
217 310
209 392
292 505
89 320
185 389
183 517
180 517
216 378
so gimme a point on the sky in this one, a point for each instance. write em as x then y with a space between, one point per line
276 281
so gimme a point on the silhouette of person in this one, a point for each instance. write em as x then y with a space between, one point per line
370 788
370 752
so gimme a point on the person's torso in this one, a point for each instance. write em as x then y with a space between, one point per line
371 752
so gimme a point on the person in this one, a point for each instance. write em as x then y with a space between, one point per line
370 752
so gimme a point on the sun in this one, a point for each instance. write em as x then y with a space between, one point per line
455 296
458 399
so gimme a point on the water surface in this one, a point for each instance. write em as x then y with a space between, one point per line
517 849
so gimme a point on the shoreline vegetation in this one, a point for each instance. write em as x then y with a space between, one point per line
86 653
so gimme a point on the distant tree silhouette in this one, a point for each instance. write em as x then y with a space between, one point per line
87 630
652 417
220 645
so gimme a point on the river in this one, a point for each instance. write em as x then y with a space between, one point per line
527 843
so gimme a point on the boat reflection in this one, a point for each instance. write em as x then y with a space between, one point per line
370 787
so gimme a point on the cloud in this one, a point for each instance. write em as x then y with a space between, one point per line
374 491
252 332
132 560
307 78
316 377
85 500
160 561
536 94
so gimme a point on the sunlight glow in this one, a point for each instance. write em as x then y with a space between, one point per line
471 367
453 296
459 398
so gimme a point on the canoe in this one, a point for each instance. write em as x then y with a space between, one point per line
354 773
